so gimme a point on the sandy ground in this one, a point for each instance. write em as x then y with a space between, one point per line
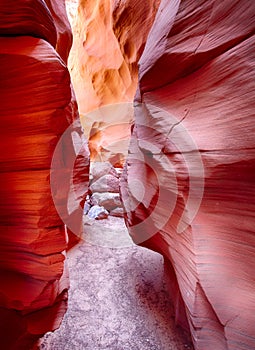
117 298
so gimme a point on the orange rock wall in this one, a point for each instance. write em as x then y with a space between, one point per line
109 37
189 182
36 108
108 42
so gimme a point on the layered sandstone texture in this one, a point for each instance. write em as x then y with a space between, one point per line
109 37
189 182
37 107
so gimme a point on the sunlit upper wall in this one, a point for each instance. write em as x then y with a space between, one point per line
109 37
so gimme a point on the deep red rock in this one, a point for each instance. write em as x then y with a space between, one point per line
38 112
189 182
64 32
29 17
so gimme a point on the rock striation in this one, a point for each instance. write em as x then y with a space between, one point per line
37 109
188 185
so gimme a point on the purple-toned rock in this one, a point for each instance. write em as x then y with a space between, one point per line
97 212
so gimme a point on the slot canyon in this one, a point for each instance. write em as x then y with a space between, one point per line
127 188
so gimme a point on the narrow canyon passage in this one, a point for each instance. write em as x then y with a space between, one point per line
117 298
161 92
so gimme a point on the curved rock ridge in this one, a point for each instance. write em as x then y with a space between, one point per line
28 17
39 193
188 185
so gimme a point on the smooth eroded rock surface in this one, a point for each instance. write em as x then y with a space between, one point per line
63 28
99 169
29 17
106 183
108 42
109 37
107 200
188 186
39 119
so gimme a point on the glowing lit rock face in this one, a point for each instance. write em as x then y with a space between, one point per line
189 186
36 107
109 37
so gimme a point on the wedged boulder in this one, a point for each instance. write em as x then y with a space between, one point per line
98 213
106 183
193 152
109 201
118 212
99 169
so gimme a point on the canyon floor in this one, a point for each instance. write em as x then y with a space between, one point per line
117 298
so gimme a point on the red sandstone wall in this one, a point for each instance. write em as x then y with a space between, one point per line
64 33
36 108
196 162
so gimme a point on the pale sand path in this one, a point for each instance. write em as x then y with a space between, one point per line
117 299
